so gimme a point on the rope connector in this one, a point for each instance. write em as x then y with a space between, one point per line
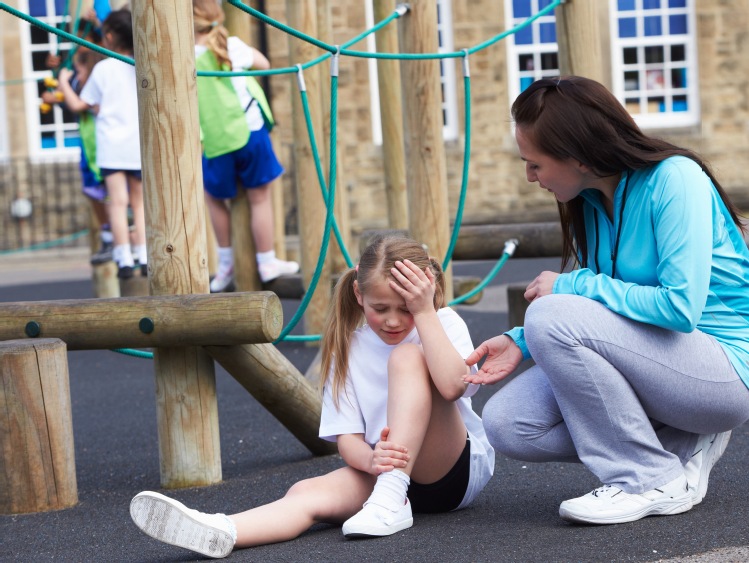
401 9
300 79
334 61
510 246
466 66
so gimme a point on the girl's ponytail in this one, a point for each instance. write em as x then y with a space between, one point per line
208 20
344 317
439 282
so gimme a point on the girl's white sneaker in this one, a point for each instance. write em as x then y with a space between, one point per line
171 522
374 521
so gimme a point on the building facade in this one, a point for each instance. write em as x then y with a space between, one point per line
681 67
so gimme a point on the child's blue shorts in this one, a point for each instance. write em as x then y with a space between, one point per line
252 166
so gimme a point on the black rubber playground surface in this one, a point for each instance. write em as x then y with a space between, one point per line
515 519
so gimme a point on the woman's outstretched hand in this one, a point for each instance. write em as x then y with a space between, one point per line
502 358
387 456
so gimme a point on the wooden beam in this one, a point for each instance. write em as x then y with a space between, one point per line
147 322
486 242
279 387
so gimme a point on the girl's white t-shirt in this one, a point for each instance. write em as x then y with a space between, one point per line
362 408
242 57
112 86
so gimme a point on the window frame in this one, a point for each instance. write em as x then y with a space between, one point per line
34 128
657 120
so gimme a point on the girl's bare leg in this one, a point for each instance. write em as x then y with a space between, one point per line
117 207
220 219
262 217
136 203
420 418
329 498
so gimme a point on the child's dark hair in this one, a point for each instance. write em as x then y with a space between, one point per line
120 24
345 314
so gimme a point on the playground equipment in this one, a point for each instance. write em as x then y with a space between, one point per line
178 259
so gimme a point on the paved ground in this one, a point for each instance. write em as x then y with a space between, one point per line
515 519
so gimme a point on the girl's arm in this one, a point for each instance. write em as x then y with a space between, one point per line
446 366
385 456
72 100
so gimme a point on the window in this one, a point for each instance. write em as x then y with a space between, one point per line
447 72
53 133
532 51
654 60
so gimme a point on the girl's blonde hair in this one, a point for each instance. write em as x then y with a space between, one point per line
346 315
208 19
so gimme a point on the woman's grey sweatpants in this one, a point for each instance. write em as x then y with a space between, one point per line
627 399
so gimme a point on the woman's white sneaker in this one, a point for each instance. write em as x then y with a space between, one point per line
170 521
611 505
709 449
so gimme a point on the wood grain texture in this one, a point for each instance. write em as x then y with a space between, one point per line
37 456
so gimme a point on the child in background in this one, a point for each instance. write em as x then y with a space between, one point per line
94 189
236 142
395 401
111 92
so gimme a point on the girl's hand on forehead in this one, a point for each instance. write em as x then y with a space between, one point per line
415 285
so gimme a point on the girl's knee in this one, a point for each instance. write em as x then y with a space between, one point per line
552 316
406 358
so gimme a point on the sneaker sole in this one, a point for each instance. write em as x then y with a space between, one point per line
661 509
713 454
377 532
163 519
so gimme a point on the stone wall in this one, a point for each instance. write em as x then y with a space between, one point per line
498 191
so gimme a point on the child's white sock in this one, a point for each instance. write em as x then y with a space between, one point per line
263 257
140 253
122 254
225 257
390 490
106 235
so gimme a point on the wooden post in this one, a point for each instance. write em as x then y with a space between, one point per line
279 387
422 104
37 458
246 276
105 280
391 118
187 411
583 37
516 304
302 16
245 265
342 211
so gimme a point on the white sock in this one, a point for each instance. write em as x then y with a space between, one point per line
140 254
225 257
263 257
106 236
390 490
123 255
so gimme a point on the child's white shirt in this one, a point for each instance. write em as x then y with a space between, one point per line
112 86
242 57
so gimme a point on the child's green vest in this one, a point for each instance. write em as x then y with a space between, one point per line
87 131
223 126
